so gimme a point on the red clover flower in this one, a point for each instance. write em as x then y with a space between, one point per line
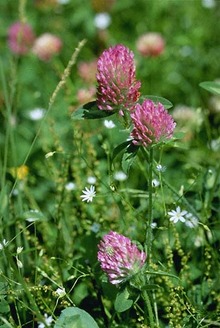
20 38
151 123
119 257
116 77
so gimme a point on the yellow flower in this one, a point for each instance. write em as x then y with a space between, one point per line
19 172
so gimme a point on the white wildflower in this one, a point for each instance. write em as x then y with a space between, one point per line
19 249
177 215
48 321
109 124
120 176
208 3
91 180
160 168
95 227
153 225
36 114
60 291
3 244
19 263
155 183
88 194
102 20
70 186
191 221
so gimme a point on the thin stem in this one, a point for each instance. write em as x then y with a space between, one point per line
149 308
148 240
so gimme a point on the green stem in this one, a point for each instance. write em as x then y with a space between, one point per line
149 308
148 240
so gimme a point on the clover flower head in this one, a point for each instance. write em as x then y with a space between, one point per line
46 45
151 44
88 194
120 259
151 123
177 215
20 38
116 77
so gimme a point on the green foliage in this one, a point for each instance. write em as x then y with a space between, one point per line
74 317
122 302
45 164
213 87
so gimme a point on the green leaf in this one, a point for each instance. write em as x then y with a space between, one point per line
129 157
34 215
213 87
166 103
90 111
119 148
74 317
122 301
4 307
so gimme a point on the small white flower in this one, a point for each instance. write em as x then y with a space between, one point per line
155 183
177 215
60 292
191 221
161 168
70 186
36 114
19 249
19 263
153 225
102 20
48 321
109 124
199 241
91 180
120 176
88 194
208 3
35 216
50 154
95 227
3 244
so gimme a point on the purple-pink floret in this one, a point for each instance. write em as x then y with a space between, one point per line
151 123
119 257
20 38
117 85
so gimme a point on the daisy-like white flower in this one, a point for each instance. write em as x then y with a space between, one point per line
155 183
191 221
48 321
177 215
36 114
109 124
102 20
91 180
161 168
60 291
120 176
70 186
19 249
88 194
3 244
